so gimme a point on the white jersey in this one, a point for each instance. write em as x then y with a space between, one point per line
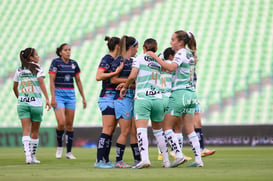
183 75
148 78
28 86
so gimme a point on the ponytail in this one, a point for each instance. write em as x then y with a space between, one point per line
125 43
112 42
25 60
188 39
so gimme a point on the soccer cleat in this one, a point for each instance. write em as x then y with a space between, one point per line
178 162
172 154
194 164
102 164
207 152
110 164
34 160
166 164
69 155
143 164
59 152
122 164
160 157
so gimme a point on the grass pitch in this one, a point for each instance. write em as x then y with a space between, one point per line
228 163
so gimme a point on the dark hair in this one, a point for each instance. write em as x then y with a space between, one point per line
150 44
60 48
125 43
167 52
112 42
25 60
188 39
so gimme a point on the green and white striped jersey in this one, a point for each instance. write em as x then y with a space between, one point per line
28 86
183 75
148 85
166 81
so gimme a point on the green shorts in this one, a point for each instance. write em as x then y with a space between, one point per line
182 102
149 109
34 113
165 100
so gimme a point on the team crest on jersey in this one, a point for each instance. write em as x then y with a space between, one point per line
107 66
54 69
67 77
73 66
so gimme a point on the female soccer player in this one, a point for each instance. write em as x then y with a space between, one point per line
124 106
61 72
149 105
166 85
183 98
106 102
28 87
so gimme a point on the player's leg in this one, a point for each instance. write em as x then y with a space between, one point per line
24 115
60 117
157 117
26 125
69 135
172 140
125 126
143 144
109 123
178 133
36 119
134 143
193 138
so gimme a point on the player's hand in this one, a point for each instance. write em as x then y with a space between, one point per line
120 86
123 92
120 67
84 103
47 106
53 103
151 54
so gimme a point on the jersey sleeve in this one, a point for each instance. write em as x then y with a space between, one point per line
179 58
77 68
53 68
136 62
105 64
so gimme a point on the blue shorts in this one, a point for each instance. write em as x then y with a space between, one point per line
124 108
106 103
65 98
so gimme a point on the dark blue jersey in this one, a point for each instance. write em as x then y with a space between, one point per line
124 73
105 64
64 73
126 68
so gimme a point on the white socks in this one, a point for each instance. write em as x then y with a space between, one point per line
161 144
143 144
173 142
179 137
26 143
34 146
194 141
